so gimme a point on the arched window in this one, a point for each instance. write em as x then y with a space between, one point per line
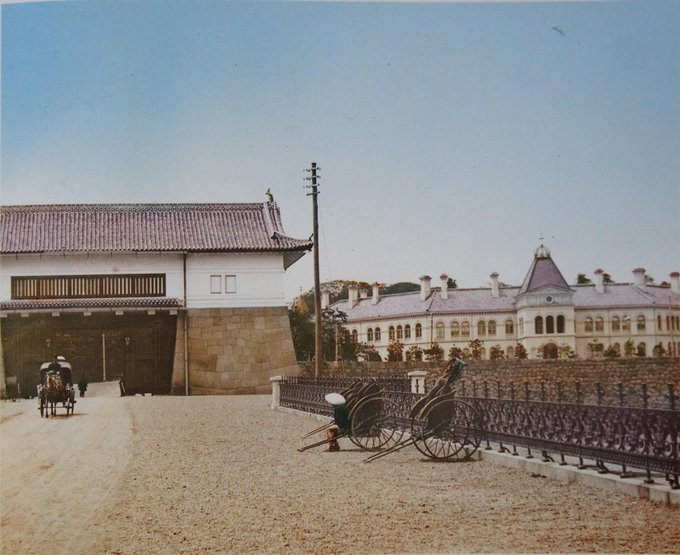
560 324
617 348
599 324
465 329
509 327
521 326
616 323
390 333
492 327
641 323
439 330
419 331
400 332
626 323
510 353
642 350
549 324
455 329
407 331
589 324
369 334
355 336
658 321
481 328
538 325
377 334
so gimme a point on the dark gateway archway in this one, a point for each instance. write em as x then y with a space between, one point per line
100 346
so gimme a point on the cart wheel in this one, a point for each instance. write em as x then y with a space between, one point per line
374 425
449 431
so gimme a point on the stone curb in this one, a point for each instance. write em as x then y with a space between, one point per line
660 492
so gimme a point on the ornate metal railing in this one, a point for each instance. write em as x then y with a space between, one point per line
635 437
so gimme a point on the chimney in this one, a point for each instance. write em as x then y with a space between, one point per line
376 293
353 291
445 286
424 287
675 282
599 281
325 299
639 276
494 285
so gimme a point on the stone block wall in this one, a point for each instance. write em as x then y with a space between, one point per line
551 380
234 350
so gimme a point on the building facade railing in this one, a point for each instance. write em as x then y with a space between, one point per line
554 426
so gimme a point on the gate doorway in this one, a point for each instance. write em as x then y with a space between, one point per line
99 347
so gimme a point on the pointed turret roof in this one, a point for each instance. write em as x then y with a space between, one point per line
543 273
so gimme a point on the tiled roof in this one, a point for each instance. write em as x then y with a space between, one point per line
543 273
244 227
128 302
470 301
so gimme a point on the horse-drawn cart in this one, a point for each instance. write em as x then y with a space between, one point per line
56 388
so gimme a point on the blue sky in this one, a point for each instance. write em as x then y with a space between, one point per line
450 136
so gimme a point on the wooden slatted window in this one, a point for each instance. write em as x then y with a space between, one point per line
93 286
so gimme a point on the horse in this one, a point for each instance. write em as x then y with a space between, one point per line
54 392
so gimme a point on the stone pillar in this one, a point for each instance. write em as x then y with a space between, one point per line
417 381
276 391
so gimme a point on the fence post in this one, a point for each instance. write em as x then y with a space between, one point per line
276 391
417 381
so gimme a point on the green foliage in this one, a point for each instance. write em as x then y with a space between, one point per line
302 332
611 352
435 352
368 352
400 287
582 279
521 352
476 349
395 351
565 351
629 348
455 352
414 353
496 353
658 350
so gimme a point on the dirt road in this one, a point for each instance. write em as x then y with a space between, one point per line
222 475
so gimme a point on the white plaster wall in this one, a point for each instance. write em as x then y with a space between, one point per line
259 276
259 280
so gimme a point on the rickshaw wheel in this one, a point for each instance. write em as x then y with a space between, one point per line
449 431
373 424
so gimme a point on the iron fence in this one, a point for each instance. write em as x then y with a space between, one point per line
559 425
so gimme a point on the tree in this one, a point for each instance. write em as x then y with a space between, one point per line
476 349
451 284
521 352
565 351
395 351
611 352
368 353
435 352
496 353
658 350
414 353
606 278
400 287
629 348
582 279
455 352
302 333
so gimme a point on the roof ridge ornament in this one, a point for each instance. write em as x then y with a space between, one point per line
542 251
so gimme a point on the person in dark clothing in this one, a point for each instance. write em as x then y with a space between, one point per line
340 420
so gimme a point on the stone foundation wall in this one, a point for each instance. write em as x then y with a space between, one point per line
551 380
234 350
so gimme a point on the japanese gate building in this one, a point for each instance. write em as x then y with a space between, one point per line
177 298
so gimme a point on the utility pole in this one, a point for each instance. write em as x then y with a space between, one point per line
317 285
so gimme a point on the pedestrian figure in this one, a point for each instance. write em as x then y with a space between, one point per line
340 420
82 385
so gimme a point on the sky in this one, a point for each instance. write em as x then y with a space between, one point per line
451 137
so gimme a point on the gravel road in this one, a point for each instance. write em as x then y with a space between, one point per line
222 475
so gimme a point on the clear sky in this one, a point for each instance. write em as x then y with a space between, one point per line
450 136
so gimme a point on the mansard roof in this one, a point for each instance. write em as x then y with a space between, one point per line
543 274
235 227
